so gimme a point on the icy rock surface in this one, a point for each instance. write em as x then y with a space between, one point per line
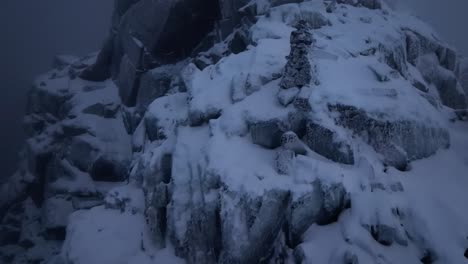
270 132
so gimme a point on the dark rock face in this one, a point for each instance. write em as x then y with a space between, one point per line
322 206
267 133
324 142
399 142
108 170
297 72
101 69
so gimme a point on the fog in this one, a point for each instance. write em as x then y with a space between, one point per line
33 31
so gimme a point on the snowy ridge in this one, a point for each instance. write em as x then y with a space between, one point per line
293 132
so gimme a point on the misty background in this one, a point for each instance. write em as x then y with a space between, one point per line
32 32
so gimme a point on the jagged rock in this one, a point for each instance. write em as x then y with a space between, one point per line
335 200
263 231
325 142
109 170
398 141
267 133
156 83
395 57
129 77
304 212
238 43
450 92
101 69
297 72
447 58
322 206
420 86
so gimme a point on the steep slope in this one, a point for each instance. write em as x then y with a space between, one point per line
275 132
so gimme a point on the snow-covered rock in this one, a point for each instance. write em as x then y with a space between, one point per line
246 132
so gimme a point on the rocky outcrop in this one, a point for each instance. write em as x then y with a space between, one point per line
191 137
398 141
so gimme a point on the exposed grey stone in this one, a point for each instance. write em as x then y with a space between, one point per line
383 234
447 58
298 71
263 232
304 212
101 69
395 57
157 82
238 43
396 141
267 133
322 206
129 77
109 170
324 141
450 92
197 118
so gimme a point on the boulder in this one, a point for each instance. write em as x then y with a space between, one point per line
267 133
325 142
397 141
156 83
108 169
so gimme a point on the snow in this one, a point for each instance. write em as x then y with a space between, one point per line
218 156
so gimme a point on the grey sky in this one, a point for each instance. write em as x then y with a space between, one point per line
33 31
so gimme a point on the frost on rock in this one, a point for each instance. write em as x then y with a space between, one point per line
270 132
